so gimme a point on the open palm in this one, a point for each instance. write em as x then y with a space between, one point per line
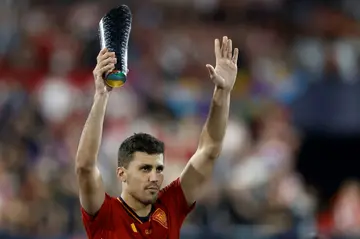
224 74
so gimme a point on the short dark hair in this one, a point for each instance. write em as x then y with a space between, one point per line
139 142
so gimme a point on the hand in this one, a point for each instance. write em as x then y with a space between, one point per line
224 74
105 64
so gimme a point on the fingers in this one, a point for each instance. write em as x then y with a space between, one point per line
235 56
229 52
105 62
217 48
102 52
107 68
224 46
211 70
105 56
111 60
226 49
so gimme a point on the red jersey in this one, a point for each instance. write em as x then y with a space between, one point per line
116 220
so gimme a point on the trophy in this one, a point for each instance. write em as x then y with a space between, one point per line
114 31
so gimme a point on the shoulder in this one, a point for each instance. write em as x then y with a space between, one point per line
104 213
173 198
106 219
170 191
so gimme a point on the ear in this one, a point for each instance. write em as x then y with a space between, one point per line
121 173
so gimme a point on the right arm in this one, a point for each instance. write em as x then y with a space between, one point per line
91 188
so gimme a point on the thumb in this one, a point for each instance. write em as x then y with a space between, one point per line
211 70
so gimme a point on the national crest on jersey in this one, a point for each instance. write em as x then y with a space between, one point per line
160 216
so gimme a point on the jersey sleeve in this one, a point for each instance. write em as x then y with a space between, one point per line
98 222
172 196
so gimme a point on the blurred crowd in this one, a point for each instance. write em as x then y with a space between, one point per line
294 55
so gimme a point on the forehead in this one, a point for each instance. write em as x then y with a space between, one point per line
150 159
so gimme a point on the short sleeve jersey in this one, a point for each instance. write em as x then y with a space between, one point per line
116 220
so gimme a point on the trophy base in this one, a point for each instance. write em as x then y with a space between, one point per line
115 79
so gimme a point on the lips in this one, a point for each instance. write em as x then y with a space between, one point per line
153 188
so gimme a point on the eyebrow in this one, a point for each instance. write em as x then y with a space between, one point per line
150 165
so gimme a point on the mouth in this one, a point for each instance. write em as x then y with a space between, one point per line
152 189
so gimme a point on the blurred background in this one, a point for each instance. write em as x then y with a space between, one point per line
290 164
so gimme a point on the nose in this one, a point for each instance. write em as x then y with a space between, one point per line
153 176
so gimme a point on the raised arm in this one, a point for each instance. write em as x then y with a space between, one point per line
91 189
200 167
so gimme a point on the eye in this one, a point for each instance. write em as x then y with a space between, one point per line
159 169
146 169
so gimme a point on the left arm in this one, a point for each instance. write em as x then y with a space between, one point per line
200 167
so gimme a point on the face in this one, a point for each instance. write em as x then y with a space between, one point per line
143 177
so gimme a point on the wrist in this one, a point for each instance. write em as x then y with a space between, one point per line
222 90
101 95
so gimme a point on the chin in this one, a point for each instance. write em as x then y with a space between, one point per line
151 200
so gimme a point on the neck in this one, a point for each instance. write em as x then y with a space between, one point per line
138 207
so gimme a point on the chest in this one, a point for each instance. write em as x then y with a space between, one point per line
126 225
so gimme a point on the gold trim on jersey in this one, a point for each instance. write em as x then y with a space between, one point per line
133 227
130 212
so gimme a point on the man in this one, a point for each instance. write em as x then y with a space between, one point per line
143 210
